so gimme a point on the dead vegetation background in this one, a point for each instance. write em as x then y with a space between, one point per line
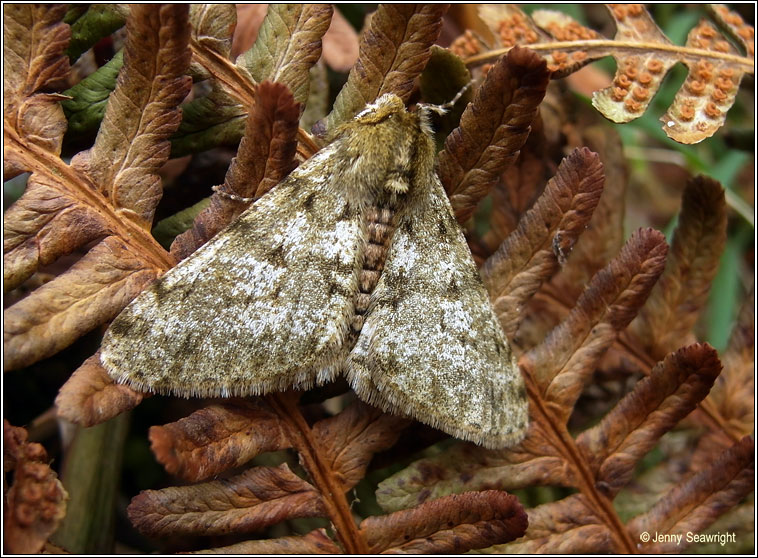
609 261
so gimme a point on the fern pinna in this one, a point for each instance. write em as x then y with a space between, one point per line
638 431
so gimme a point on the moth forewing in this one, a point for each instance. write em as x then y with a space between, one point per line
432 347
353 264
262 306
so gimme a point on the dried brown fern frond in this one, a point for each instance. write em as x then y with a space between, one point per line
564 283
335 452
106 196
600 461
643 56
565 330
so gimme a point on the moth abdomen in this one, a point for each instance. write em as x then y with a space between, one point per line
380 226
368 280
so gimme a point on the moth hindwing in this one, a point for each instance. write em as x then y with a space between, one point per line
354 264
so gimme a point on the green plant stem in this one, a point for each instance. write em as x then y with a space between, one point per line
91 472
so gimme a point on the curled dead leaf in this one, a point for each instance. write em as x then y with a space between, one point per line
90 396
698 500
349 440
315 542
694 258
217 438
562 363
673 389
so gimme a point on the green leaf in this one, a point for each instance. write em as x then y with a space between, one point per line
89 98
166 230
99 21
722 303
288 45
74 12
210 121
213 26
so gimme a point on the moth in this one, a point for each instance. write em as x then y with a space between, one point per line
354 264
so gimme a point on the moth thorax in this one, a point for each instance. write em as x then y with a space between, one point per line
380 227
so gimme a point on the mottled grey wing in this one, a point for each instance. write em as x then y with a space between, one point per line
262 306
431 346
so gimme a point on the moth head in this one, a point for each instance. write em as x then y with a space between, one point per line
387 147
384 107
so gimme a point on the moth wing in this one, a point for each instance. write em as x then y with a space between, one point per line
262 306
431 346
